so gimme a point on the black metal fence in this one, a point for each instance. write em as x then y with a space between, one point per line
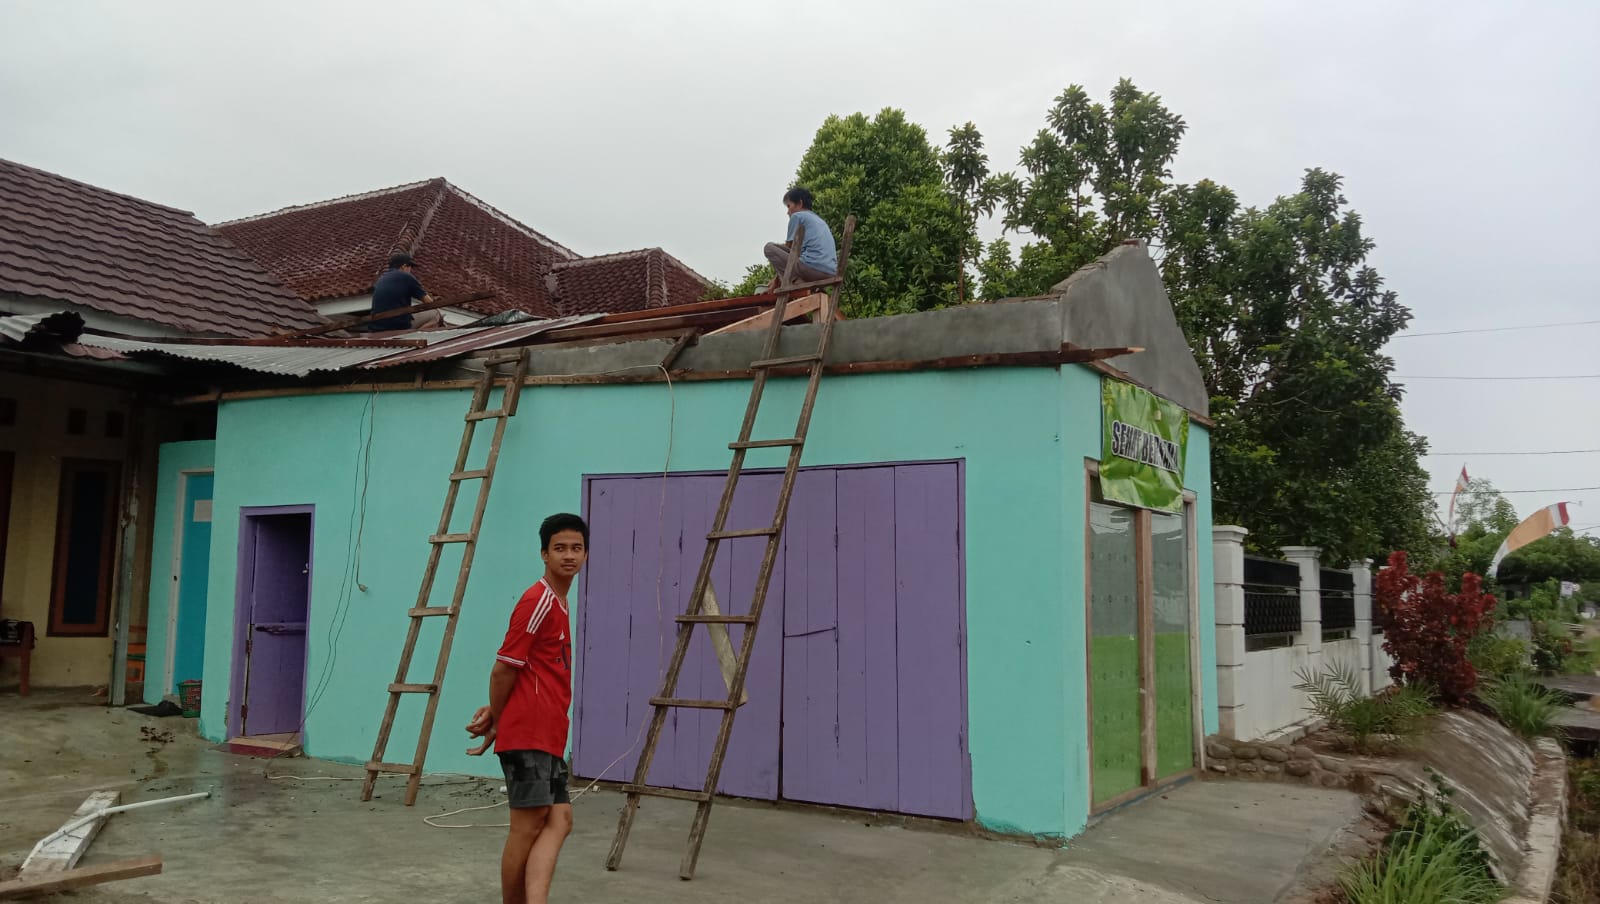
1338 601
1271 597
1377 610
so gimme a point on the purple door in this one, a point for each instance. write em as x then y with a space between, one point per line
861 696
644 553
874 666
276 577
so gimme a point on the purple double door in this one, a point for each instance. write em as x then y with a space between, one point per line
858 684
274 597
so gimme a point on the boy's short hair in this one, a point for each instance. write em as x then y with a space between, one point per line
799 196
557 523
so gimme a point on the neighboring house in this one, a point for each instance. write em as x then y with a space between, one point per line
79 426
330 253
961 625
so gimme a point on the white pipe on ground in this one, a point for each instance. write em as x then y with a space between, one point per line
81 821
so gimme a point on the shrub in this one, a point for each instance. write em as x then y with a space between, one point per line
1556 653
1497 656
1434 857
1334 695
1427 628
1527 708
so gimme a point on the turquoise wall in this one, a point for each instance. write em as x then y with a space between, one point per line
172 459
1023 433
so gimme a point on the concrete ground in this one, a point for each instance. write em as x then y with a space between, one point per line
280 831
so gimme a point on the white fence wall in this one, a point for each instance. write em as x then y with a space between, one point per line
1256 694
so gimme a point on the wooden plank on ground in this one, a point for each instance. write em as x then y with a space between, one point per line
794 310
722 644
63 853
79 878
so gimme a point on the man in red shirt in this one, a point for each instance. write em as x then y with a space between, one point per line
530 690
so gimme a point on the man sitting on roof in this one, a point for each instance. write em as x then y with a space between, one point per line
819 257
397 288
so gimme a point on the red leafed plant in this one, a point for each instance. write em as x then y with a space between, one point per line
1427 628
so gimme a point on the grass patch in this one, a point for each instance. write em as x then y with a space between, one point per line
1523 705
1394 717
1434 857
1578 877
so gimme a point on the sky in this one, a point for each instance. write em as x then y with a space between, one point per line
1465 133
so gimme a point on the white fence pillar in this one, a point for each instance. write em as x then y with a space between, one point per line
1305 557
1361 573
1227 550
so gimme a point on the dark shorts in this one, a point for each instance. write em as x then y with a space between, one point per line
534 778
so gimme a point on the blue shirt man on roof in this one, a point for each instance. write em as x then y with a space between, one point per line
397 288
819 257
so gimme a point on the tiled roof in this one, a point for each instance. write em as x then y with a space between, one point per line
462 246
629 281
66 241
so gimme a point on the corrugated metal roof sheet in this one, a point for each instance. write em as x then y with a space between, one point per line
292 361
477 340
300 360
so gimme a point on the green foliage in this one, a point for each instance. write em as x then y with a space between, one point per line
1497 657
1523 706
1485 517
966 172
912 235
1366 722
1434 857
1092 178
1288 324
1555 652
756 278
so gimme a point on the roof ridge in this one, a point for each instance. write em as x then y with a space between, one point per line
441 192
628 255
97 189
509 220
345 199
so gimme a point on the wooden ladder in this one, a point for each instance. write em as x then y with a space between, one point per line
511 393
703 608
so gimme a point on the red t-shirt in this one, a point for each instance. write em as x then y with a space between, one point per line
539 644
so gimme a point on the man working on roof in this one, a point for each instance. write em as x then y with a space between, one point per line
819 258
530 689
397 288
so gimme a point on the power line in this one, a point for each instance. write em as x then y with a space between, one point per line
1498 329
1509 492
1540 452
1536 377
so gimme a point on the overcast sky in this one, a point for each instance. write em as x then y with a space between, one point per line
1466 133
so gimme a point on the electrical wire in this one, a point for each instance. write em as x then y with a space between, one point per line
1538 452
1510 492
1499 379
1497 329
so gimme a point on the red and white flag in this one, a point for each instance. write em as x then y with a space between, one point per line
1461 487
1536 526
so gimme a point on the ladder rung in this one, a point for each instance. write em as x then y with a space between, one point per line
413 688
485 415
735 534
470 475
673 793
453 538
792 359
717 619
767 443
690 704
401 768
430 611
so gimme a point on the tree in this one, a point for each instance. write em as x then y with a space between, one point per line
1488 517
966 172
1094 177
1288 323
911 236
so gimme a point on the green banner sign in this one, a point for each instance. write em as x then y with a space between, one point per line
1146 440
